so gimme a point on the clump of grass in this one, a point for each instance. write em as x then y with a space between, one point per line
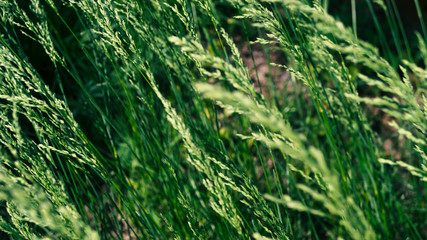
144 123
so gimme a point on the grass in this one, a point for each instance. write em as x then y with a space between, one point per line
124 119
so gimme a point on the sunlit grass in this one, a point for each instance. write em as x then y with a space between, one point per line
139 119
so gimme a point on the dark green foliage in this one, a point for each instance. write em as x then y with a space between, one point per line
201 119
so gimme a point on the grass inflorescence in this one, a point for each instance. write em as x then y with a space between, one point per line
126 119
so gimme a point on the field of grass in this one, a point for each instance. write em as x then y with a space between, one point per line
213 119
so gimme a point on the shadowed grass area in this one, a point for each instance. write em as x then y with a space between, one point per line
201 119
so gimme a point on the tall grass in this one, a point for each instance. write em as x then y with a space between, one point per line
139 120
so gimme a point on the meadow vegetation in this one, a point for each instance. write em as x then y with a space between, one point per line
142 119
